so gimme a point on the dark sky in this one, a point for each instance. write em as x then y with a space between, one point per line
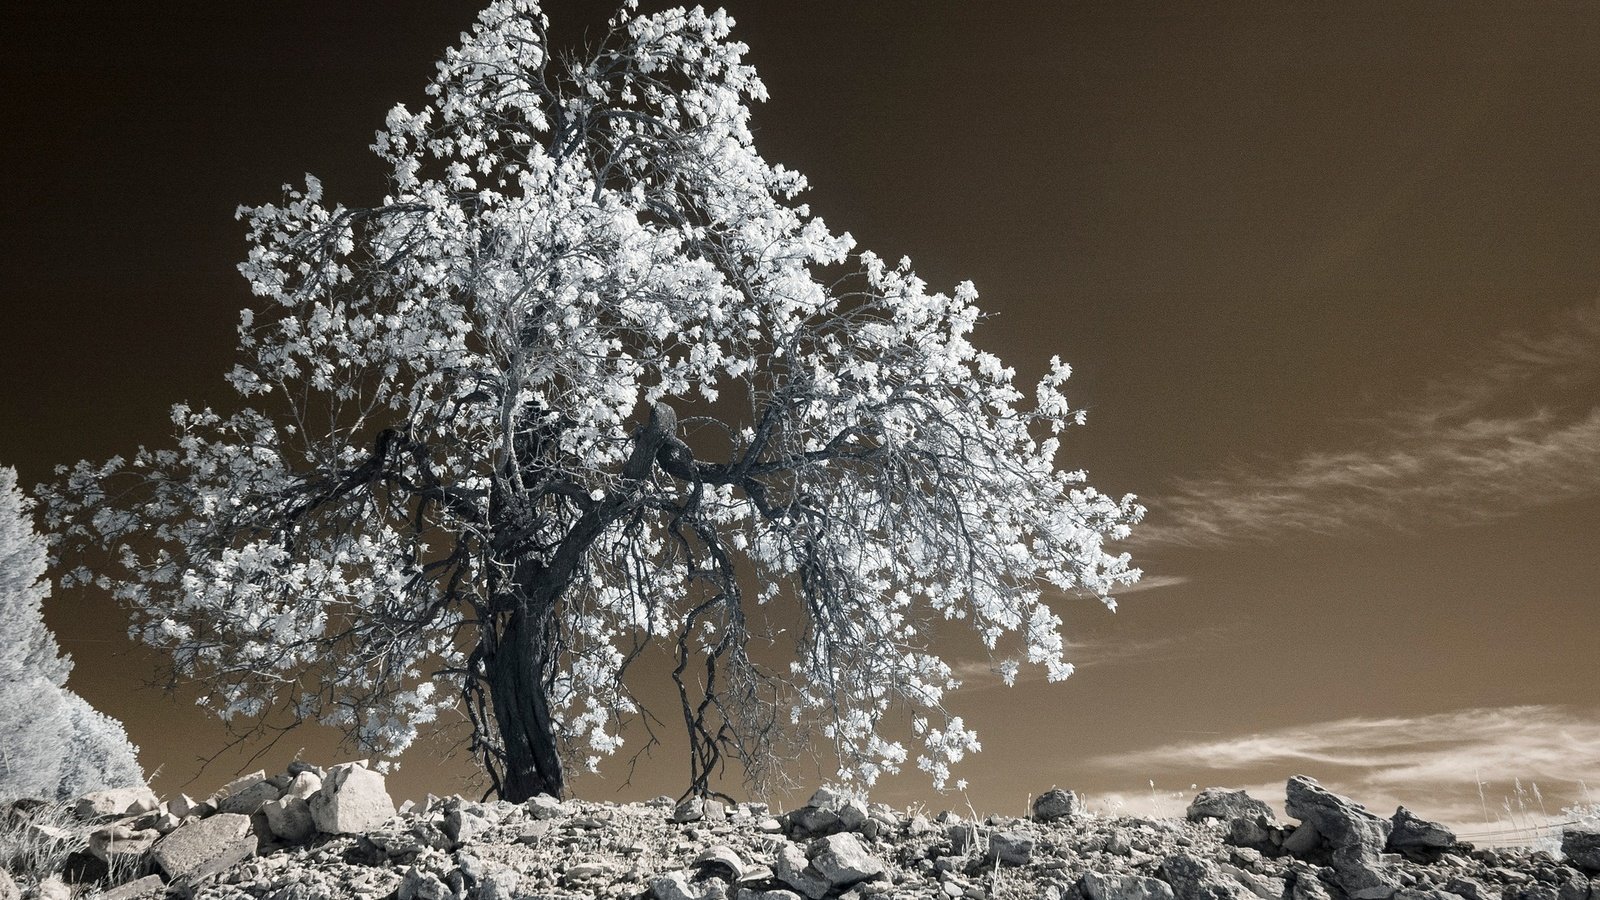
1326 274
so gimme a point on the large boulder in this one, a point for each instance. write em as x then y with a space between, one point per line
791 867
353 799
828 812
1225 804
1356 837
1013 847
1418 839
205 847
1095 886
1581 846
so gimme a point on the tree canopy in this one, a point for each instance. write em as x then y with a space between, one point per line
590 377
53 744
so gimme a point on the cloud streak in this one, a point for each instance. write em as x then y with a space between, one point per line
1519 431
1432 762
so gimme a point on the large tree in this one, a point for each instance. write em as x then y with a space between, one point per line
591 377
53 744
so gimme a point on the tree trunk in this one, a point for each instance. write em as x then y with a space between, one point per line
522 711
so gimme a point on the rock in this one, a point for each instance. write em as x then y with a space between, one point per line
8 887
498 883
119 802
1224 804
462 825
148 886
422 885
698 809
1095 886
1576 887
1255 832
1193 878
792 868
352 800
83 867
963 836
121 847
289 818
721 860
1417 839
1303 842
776 894
1581 847
1308 887
303 785
1356 836
1056 804
51 888
673 886
1466 887
842 861
246 795
205 847
1012 847
543 806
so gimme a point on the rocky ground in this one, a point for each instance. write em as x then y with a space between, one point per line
311 834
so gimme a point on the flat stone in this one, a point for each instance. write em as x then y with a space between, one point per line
148 886
205 846
1417 839
120 845
249 799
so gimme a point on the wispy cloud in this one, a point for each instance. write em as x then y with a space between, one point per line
1520 430
976 674
1433 762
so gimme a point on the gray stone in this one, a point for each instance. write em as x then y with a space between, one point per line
1224 804
791 867
462 825
1356 836
303 785
673 886
776 894
1056 804
352 800
119 845
1012 847
1576 887
1308 887
721 860
289 818
51 888
246 795
963 836
1255 832
8 887
842 861
1193 878
1417 839
498 883
148 886
422 885
205 847
1469 888
1303 842
119 802
1581 847
1096 886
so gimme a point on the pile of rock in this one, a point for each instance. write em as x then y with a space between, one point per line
311 834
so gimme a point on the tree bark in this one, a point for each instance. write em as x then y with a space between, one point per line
522 711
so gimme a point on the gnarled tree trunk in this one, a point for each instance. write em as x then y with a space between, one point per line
516 668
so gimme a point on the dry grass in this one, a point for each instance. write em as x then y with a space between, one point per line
35 844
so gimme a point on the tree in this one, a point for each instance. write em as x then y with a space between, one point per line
467 481
53 744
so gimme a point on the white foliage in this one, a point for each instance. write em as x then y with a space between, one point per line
451 385
53 745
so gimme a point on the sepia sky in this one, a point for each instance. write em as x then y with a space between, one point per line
1327 276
